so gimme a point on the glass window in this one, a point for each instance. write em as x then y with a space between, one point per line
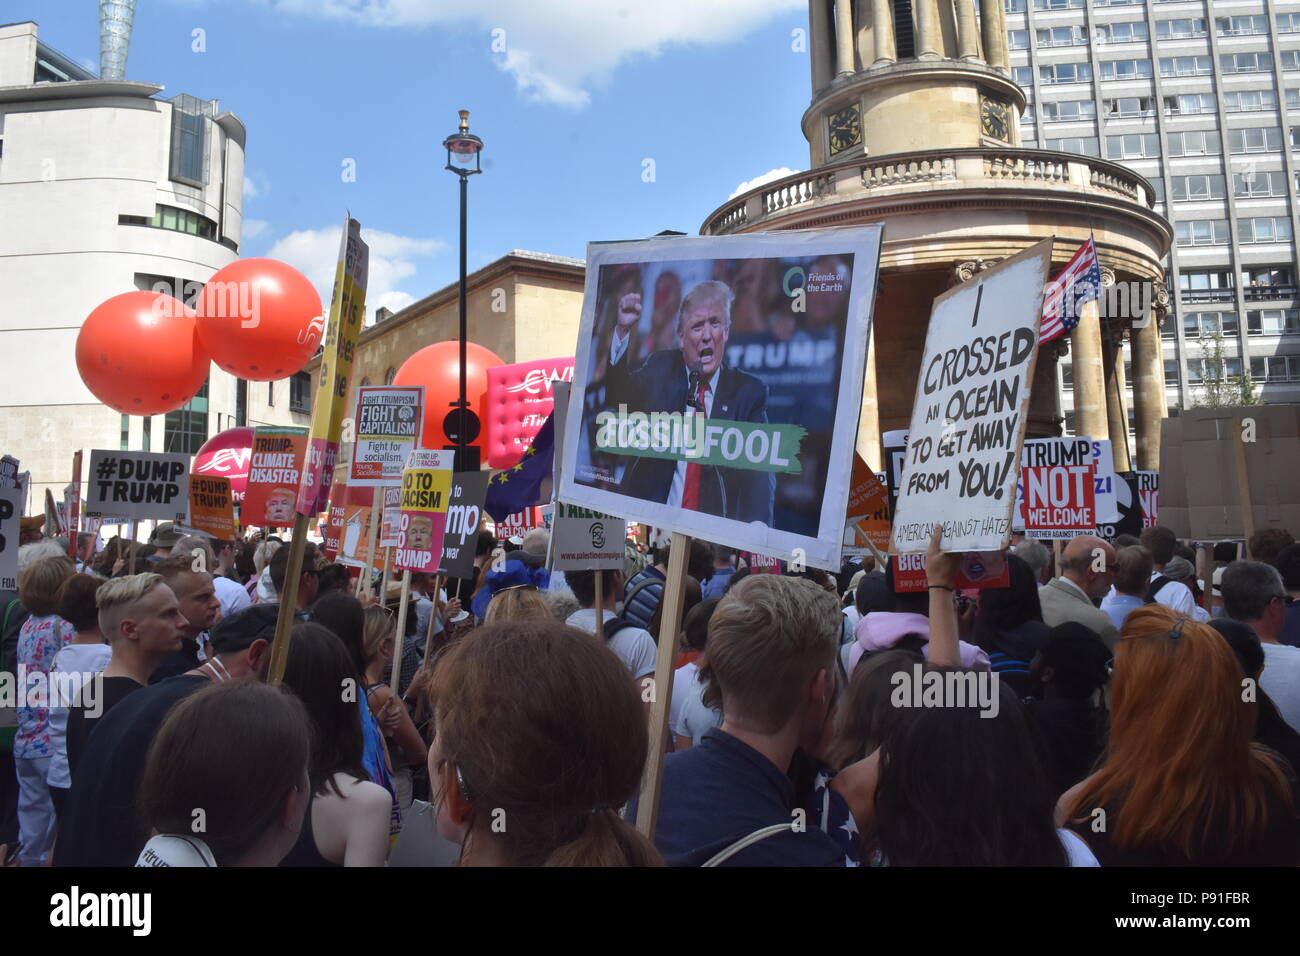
1014 6
1058 4
1171 370
1070 110
1255 185
189 148
186 429
1264 229
300 392
1181 29
1065 73
1293 99
1127 106
1190 103
1023 75
1087 145
1267 277
1018 39
1288 23
1273 321
1256 139
1245 62
1062 36
1240 26
1133 146
1196 324
1197 188
1186 66
1290 59
1201 232
1125 69
1130 31
1242 101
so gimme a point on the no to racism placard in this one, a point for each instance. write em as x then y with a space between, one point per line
274 472
11 501
212 507
741 433
138 485
1058 488
387 425
426 494
468 490
969 414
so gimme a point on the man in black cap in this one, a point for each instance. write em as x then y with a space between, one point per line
98 826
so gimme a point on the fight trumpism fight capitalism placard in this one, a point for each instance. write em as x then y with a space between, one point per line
388 423
138 485
969 415
728 408
347 309
274 472
426 494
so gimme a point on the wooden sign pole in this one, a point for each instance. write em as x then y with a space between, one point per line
433 614
669 624
376 509
383 581
288 600
600 605
399 641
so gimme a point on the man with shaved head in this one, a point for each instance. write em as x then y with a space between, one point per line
1087 572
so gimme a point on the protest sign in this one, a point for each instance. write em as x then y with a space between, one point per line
689 418
358 525
866 526
969 415
468 489
979 569
1057 488
347 310
1148 494
894 444
274 472
11 514
520 523
332 533
212 506
519 399
761 563
582 539
387 427
426 493
1105 481
392 519
137 485
8 472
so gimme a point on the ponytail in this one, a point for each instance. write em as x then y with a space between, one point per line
606 840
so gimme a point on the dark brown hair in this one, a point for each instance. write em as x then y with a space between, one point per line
546 725
234 750
77 601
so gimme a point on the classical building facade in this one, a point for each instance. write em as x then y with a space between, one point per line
915 122
106 187
1200 99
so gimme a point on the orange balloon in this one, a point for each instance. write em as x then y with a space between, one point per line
437 368
260 319
139 353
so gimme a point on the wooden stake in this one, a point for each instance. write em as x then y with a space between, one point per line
376 514
1243 488
428 628
288 601
395 674
600 605
670 623
1057 548
383 581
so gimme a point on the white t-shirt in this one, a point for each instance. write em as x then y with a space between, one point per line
78 663
231 595
167 849
635 646
695 718
682 681
1281 680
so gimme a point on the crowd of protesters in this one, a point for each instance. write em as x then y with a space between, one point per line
1119 702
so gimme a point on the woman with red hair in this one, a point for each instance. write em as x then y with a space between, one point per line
1181 783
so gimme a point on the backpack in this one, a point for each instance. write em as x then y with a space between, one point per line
747 841
1154 588
613 625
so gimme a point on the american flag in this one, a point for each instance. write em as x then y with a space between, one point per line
1079 282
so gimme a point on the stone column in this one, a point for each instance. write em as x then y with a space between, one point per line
928 40
868 443
993 22
1149 382
882 30
843 36
820 38
1116 414
1089 382
967 31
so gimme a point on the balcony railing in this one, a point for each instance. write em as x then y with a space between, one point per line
930 171
1201 296
1261 293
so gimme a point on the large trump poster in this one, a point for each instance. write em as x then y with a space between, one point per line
718 384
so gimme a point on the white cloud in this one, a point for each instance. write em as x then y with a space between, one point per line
255 186
255 227
770 176
557 50
315 252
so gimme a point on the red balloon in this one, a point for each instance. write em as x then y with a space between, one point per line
437 368
260 319
227 455
139 353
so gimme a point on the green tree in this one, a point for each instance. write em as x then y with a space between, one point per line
1218 389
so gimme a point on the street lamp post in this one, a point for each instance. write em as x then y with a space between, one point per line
461 424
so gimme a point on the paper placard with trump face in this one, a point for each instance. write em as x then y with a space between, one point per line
274 472
426 492
718 383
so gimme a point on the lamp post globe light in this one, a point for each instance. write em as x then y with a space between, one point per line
461 424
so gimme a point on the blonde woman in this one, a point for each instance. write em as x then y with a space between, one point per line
522 602
405 745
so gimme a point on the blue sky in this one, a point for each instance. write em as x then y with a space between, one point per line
571 97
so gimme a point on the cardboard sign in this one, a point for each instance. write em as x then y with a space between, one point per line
426 494
332 535
1057 488
762 563
971 406
387 428
347 310
520 523
212 507
136 485
468 490
1148 493
11 514
391 524
274 473
979 569
867 520
582 539
708 429
519 398
358 513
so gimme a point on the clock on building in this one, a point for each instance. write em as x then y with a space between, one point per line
844 128
995 118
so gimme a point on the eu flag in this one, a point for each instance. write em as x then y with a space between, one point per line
527 483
